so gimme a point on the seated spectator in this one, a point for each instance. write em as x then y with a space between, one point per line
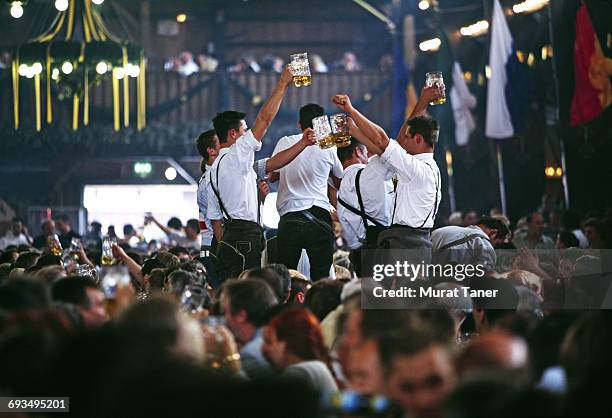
85 294
17 235
187 65
293 344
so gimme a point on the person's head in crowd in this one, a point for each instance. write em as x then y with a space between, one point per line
419 372
454 219
149 266
155 280
50 274
308 113
343 274
128 231
175 224
181 253
354 153
489 308
27 260
177 281
95 228
62 223
323 297
272 278
419 135
458 307
168 259
283 273
48 227
229 126
48 259
365 372
159 321
84 293
594 231
24 293
293 336
9 255
17 226
244 304
585 351
565 240
110 231
208 146
468 217
535 225
299 287
494 352
192 229
496 230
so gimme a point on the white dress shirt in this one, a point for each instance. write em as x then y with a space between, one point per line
303 182
418 186
237 181
202 197
377 194
477 250
11 239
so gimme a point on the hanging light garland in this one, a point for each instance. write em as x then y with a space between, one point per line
71 64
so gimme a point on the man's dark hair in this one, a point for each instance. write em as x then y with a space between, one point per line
128 229
253 296
205 140
272 278
406 343
23 293
194 224
427 127
180 279
569 239
323 297
225 121
346 153
529 217
497 307
48 259
494 223
283 273
176 250
151 264
308 113
298 285
174 223
17 219
26 260
73 290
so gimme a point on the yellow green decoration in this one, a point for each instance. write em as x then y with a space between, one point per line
73 55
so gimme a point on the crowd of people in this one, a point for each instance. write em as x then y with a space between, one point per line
219 321
186 63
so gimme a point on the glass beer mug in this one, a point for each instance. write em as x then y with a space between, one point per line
435 78
108 259
340 130
323 132
54 245
300 69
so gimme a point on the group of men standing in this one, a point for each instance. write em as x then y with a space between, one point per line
388 191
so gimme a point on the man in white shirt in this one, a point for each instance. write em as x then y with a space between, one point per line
208 146
365 198
303 204
17 235
234 199
474 244
411 156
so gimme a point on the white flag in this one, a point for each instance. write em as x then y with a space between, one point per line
462 101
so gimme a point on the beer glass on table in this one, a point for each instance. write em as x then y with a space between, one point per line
323 132
435 78
340 130
108 259
300 69
54 245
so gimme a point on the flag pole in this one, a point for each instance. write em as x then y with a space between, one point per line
500 175
556 89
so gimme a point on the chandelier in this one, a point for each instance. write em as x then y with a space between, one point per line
75 53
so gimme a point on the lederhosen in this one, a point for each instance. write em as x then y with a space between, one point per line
244 236
399 236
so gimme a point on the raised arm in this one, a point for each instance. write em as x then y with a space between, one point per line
268 111
370 130
361 137
284 157
428 94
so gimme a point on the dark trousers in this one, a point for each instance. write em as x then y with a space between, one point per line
296 231
247 238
